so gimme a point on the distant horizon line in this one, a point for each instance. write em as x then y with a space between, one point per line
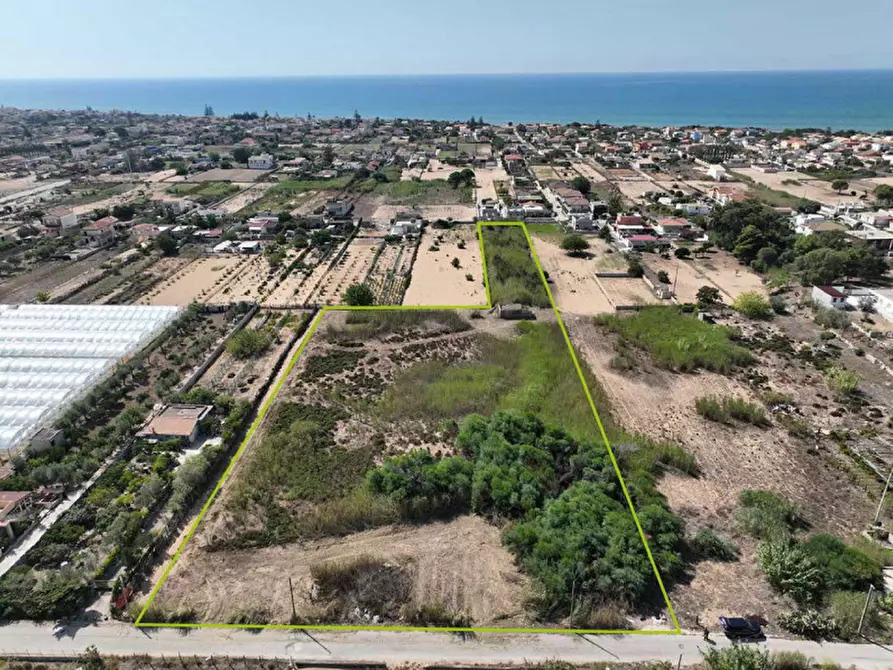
442 74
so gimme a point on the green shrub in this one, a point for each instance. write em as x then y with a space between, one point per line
435 615
726 409
846 608
844 568
753 305
247 343
738 657
790 570
808 623
709 545
767 515
791 660
677 340
827 335
712 409
778 304
841 380
828 317
359 295
771 398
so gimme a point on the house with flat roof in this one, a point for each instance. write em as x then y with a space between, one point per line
101 233
176 421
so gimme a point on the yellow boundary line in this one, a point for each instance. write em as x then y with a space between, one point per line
262 413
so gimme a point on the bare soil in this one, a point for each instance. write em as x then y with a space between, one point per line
435 281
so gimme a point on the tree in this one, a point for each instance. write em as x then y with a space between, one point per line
663 277
209 111
123 212
634 267
760 226
320 238
748 243
753 305
708 296
582 184
248 343
167 245
455 263
359 295
241 154
682 253
839 185
615 202
884 193
575 245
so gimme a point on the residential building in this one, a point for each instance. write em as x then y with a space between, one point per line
717 173
262 225
252 247
406 227
829 296
671 227
176 421
13 504
261 162
337 207
101 233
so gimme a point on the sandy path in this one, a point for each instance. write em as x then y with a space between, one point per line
436 282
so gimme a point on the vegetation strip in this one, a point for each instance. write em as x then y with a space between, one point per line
262 414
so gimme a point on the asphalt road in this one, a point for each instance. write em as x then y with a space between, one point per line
22 639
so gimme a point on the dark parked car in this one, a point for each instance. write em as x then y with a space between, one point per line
741 629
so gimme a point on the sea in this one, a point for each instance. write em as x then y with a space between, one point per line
861 100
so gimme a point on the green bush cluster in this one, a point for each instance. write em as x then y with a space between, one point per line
724 410
512 274
247 343
574 534
678 341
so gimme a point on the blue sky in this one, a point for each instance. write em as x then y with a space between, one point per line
240 38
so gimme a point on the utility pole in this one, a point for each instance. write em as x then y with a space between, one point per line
865 609
294 612
877 514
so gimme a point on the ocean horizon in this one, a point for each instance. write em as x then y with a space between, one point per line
851 99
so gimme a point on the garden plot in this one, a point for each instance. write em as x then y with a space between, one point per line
198 281
352 268
243 378
253 280
435 281
287 289
391 272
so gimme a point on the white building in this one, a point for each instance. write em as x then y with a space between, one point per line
404 228
261 162
829 296
717 173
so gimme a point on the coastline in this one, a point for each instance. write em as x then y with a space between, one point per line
856 99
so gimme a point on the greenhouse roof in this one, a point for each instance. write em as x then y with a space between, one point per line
50 355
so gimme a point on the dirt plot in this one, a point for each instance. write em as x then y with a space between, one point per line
253 280
441 554
485 178
435 281
725 272
428 212
572 280
628 291
49 275
635 190
243 379
236 175
808 186
128 265
660 404
197 281
244 198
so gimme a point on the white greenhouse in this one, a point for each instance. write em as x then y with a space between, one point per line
50 355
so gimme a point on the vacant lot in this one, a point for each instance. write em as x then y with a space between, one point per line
572 280
485 178
628 291
374 395
650 399
236 175
806 186
435 281
724 271
352 268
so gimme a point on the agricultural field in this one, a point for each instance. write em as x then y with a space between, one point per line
384 483
48 275
207 191
241 372
200 280
240 175
435 281
801 186
352 267
285 195
786 443
391 273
